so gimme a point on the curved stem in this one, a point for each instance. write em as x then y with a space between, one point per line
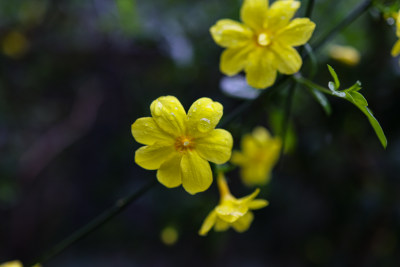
298 78
119 206
360 9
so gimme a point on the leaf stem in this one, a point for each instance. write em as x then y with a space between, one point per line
301 80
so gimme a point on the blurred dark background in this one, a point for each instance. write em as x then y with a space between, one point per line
74 76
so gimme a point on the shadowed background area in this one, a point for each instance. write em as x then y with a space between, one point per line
74 76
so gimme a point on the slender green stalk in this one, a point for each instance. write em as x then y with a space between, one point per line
359 10
292 90
248 103
301 80
310 8
119 206
287 114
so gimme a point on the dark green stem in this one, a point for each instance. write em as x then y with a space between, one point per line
310 8
119 206
287 114
360 9
301 80
248 103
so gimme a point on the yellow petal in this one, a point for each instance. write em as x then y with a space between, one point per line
249 198
298 32
254 13
261 135
249 145
287 59
216 146
260 72
146 131
203 116
196 173
345 54
255 174
221 225
243 224
169 173
208 223
234 59
280 13
230 212
396 49
151 157
258 204
228 33
398 25
169 114
12 264
238 158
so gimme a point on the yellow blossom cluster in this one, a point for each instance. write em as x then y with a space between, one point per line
180 145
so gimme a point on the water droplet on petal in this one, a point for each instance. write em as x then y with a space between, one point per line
158 108
204 125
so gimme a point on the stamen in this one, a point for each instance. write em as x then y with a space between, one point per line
263 39
183 143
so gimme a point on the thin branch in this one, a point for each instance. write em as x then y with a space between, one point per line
119 206
309 8
287 114
359 10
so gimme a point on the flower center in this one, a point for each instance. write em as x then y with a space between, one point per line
183 143
263 39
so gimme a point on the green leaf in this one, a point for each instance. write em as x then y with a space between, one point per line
374 123
358 98
321 99
359 101
354 88
334 76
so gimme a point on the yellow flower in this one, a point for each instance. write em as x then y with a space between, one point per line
179 146
12 264
260 152
396 47
345 54
263 43
169 235
232 211
15 264
15 44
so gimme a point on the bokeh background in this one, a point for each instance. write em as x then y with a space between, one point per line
74 76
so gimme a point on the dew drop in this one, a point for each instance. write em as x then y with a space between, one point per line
204 125
158 108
